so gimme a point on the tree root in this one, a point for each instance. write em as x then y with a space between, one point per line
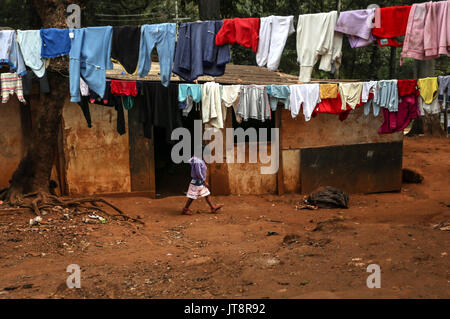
38 201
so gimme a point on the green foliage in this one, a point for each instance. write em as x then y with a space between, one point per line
138 12
18 14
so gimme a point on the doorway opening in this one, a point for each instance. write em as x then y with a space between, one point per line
172 179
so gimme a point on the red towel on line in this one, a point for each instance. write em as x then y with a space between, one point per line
393 22
122 88
407 87
244 31
334 106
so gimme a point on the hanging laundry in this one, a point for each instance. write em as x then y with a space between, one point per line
108 99
185 90
434 107
124 88
84 88
329 105
444 86
328 91
369 88
316 39
11 83
230 97
428 31
428 88
398 121
6 37
254 103
158 106
163 37
306 95
125 47
278 93
55 42
350 94
30 44
393 22
188 94
334 106
187 106
273 34
10 52
127 102
387 95
84 105
244 31
197 53
29 78
407 87
212 113
357 24
89 57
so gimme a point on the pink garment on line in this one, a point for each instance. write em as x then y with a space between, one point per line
428 31
397 121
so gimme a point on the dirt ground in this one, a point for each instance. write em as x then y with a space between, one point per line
314 254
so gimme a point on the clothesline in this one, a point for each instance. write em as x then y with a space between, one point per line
202 49
266 36
400 101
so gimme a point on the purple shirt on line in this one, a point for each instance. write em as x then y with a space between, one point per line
357 24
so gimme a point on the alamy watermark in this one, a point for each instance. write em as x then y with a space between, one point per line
213 152
374 279
74 279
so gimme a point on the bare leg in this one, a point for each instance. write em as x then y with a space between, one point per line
186 210
214 209
188 203
209 202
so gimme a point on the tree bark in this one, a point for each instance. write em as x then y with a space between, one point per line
374 62
392 62
34 170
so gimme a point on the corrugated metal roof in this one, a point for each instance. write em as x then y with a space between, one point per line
234 74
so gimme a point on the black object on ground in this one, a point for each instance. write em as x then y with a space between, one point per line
328 197
411 177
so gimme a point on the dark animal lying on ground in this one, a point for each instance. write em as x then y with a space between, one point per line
411 177
328 197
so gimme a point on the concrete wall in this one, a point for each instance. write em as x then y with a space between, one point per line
96 159
246 178
11 147
323 131
291 171
328 130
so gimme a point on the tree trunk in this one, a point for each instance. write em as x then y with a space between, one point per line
392 62
34 170
374 62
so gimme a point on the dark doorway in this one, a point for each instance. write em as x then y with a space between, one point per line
172 179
